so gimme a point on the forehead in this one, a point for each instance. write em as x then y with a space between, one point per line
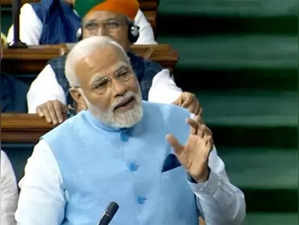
102 61
102 15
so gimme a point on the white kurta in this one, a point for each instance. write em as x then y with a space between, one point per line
8 192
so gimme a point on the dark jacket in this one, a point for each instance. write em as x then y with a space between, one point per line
12 94
60 23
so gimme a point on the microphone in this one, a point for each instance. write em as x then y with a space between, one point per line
109 213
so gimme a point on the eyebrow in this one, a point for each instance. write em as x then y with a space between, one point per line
96 20
119 70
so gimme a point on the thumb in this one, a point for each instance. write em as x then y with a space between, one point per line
178 148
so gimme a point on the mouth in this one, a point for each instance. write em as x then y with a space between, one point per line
125 104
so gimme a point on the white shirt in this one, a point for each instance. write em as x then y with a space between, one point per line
8 192
31 27
221 202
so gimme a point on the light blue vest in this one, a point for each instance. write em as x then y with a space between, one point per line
100 164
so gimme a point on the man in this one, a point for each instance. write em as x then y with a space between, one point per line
55 21
111 18
117 151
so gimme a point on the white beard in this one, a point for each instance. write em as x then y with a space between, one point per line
119 119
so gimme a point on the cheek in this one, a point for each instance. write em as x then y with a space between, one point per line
102 102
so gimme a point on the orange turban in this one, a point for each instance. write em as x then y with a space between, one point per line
125 7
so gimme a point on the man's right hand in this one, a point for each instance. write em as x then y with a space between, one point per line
54 111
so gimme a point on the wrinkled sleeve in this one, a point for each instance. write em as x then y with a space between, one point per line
8 192
44 88
30 26
164 89
219 202
42 197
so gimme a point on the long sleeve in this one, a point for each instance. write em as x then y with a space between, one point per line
41 193
30 26
220 202
146 34
44 88
163 89
8 192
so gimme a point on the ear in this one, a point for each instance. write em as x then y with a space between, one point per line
79 99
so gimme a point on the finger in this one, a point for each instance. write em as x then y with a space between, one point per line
206 131
46 113
192 109
188 99
197 109
198 119
177 147
178 101
39 112
193 124
60 110
52 113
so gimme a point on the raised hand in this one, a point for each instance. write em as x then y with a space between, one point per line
194 155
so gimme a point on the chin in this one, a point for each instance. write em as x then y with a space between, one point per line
129 118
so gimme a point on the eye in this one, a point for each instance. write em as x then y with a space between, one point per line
100 84
91 26
112 24
124 74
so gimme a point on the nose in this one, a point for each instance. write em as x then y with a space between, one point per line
101 31
119 88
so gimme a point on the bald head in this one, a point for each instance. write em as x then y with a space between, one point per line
83 50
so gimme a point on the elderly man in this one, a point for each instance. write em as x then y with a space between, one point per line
120 150
55 21
111 18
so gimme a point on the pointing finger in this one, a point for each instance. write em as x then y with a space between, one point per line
178 148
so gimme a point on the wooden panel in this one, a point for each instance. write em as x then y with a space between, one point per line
18 127
34 58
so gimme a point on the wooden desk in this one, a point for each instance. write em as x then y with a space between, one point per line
22 127
33 59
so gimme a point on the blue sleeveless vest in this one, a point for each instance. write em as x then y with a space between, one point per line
100 164
60 23
12 94
145 71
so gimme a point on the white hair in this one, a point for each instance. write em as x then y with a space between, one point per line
84 48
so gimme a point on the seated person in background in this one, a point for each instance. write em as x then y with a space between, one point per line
152 159
55 21
8 192
12 91
105 19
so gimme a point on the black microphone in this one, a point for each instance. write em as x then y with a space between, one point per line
109 213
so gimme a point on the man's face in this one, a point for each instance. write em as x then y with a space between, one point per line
105 23
110 88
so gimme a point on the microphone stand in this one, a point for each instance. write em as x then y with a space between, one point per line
16 43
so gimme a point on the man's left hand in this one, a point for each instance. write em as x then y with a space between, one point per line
194 156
